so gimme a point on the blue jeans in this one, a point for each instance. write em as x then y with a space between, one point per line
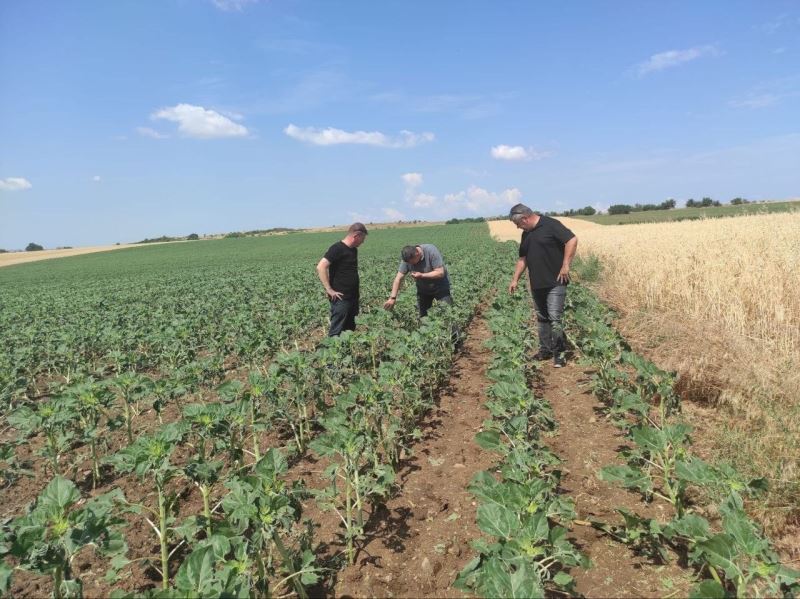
343 316
549 314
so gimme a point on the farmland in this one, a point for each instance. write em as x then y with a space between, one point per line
183 427
682 214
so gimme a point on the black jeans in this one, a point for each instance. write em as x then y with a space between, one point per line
549 312
425 301
343 316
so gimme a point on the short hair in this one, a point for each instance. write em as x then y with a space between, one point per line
518 212
357 228
408 252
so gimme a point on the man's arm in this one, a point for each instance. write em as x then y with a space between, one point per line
398 279
569 253
436 273
518 270
322 272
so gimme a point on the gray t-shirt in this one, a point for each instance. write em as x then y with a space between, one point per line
431 260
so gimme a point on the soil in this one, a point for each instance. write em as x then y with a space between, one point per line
419 540
586 442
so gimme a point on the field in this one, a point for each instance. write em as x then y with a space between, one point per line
719 301
175 422
681 214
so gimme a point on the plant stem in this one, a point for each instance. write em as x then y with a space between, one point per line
162 517
205 492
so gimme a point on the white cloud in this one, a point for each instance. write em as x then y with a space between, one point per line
233 5
413 179
674 58
517 153
14 184
199 122
476 199
393 214
151 133
423 200
96 178
331 136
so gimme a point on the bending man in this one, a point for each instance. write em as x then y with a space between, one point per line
546 250
426 265
338 272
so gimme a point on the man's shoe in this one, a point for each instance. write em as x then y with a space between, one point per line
559 360
542 355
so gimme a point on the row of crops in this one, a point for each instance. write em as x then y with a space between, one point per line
709 527
175 475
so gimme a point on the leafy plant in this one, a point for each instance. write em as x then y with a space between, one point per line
56 529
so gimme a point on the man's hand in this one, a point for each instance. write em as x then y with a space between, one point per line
389 304
334 295
512 286
563 275
416 275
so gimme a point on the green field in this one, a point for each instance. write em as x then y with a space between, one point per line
679 214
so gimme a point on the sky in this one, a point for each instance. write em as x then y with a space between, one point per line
127 119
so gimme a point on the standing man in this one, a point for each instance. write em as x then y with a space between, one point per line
426 265
338 272
546 250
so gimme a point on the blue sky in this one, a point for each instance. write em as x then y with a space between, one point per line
127 119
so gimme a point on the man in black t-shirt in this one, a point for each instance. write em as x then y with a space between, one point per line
338 272
546 249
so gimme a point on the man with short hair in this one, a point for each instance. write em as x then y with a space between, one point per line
546 249
338 272
426 265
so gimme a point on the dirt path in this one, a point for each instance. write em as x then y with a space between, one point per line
422 541
587 442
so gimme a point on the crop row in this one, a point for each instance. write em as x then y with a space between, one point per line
728 550
521 511
353 401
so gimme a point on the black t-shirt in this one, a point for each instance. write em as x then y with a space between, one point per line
543 250
343 271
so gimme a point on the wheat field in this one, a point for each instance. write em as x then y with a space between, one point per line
719 301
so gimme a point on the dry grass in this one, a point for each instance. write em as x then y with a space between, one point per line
719 301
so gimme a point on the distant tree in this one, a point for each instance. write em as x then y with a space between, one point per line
707 202
690 203
2 251
33 247
587 211
193 237
667 205
620 209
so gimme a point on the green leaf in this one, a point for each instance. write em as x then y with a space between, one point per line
196 574
497 520
272 464
5 577
563 579
60 493
691 526
490 441
708 589
628 477
720 552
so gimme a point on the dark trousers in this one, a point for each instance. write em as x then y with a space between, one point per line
549 313
343 316
425 301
